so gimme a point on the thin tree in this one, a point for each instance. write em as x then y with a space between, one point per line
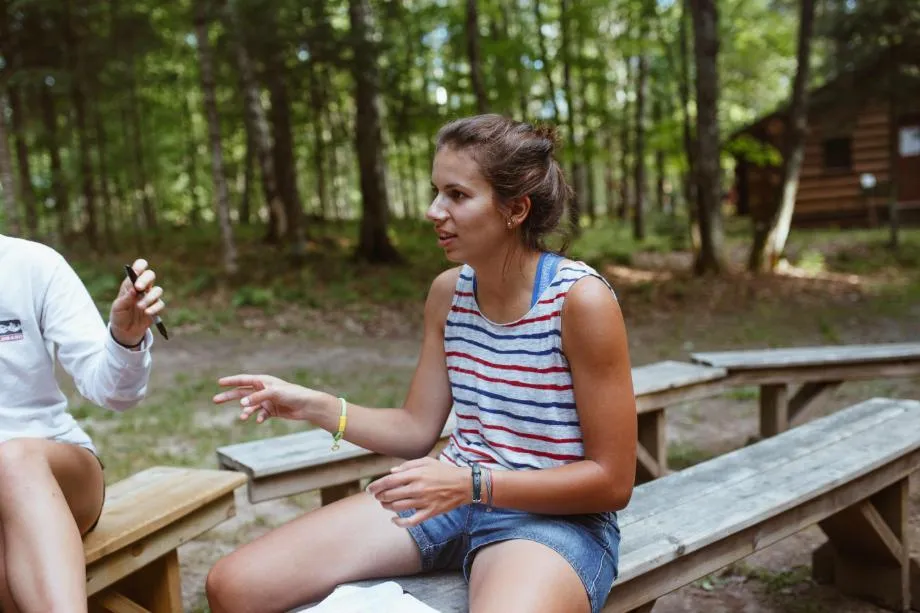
9 189
710 258
222 197
78 98
256 121
373 244
472 50
770 235
639 163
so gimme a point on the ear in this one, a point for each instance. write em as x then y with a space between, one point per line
518 210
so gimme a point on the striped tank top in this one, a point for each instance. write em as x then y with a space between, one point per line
511 384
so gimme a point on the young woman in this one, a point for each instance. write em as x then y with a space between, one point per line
529 351
51 482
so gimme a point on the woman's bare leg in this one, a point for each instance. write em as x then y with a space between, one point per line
6 598
303 560
526 577
50 493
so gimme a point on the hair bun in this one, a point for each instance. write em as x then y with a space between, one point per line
549 132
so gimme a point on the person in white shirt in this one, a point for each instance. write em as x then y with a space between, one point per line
51 480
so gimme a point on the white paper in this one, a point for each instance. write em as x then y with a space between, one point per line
387 597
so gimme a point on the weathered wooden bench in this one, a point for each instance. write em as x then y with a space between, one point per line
658 386
132 565
301 462
296 463
817 371
847 472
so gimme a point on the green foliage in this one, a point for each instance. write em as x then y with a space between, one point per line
253 296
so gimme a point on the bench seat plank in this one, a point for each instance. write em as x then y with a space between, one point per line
695 524
792 357
685 525
291 452
152 499
670 374
699 481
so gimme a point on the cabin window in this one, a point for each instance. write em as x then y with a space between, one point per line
838 154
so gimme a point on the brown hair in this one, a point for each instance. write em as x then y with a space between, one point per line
516 158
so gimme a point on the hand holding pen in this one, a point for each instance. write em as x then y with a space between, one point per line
137 306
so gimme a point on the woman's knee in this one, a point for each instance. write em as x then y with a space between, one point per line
227 586
20 459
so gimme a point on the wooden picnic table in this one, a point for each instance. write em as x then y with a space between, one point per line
817 371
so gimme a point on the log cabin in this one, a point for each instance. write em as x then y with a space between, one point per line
855 136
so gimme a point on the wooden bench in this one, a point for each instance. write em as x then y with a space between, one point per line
132 565
817 371
658 386
304 461
296 463
847 472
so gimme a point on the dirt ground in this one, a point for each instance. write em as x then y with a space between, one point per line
666 319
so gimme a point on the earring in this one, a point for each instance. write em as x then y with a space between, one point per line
510 224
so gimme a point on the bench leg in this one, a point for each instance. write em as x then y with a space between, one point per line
809 397
330 494
868 552
774 409
155 588
652 451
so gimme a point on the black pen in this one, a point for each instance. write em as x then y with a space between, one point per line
156 318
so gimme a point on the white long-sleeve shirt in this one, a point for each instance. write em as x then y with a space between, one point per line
44 307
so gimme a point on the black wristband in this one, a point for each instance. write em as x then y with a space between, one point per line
477 494
139 343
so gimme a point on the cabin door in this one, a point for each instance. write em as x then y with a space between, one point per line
909 159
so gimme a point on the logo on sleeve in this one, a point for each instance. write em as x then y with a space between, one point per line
10 330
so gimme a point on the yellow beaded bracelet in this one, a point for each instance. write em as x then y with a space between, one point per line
343 420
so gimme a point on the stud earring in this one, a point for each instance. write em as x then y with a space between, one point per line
510 224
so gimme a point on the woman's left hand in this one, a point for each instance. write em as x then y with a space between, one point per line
427 485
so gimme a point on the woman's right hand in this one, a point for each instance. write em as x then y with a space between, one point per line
267 396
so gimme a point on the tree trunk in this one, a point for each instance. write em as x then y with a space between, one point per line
249 172
572 144
610 182
10 190
625 148
206 62
26 191
191 162
472 50
258 126
894 149
544 59
283 157
374 244
770 235
58 186
131 204
517 74
659 157
689 178
710 258
317 104
108 223
149 213
78 97
639 176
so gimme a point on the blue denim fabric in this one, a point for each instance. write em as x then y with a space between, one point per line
589 543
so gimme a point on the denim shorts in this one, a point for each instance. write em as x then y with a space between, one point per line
589 543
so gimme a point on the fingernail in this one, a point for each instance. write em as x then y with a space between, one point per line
244 401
